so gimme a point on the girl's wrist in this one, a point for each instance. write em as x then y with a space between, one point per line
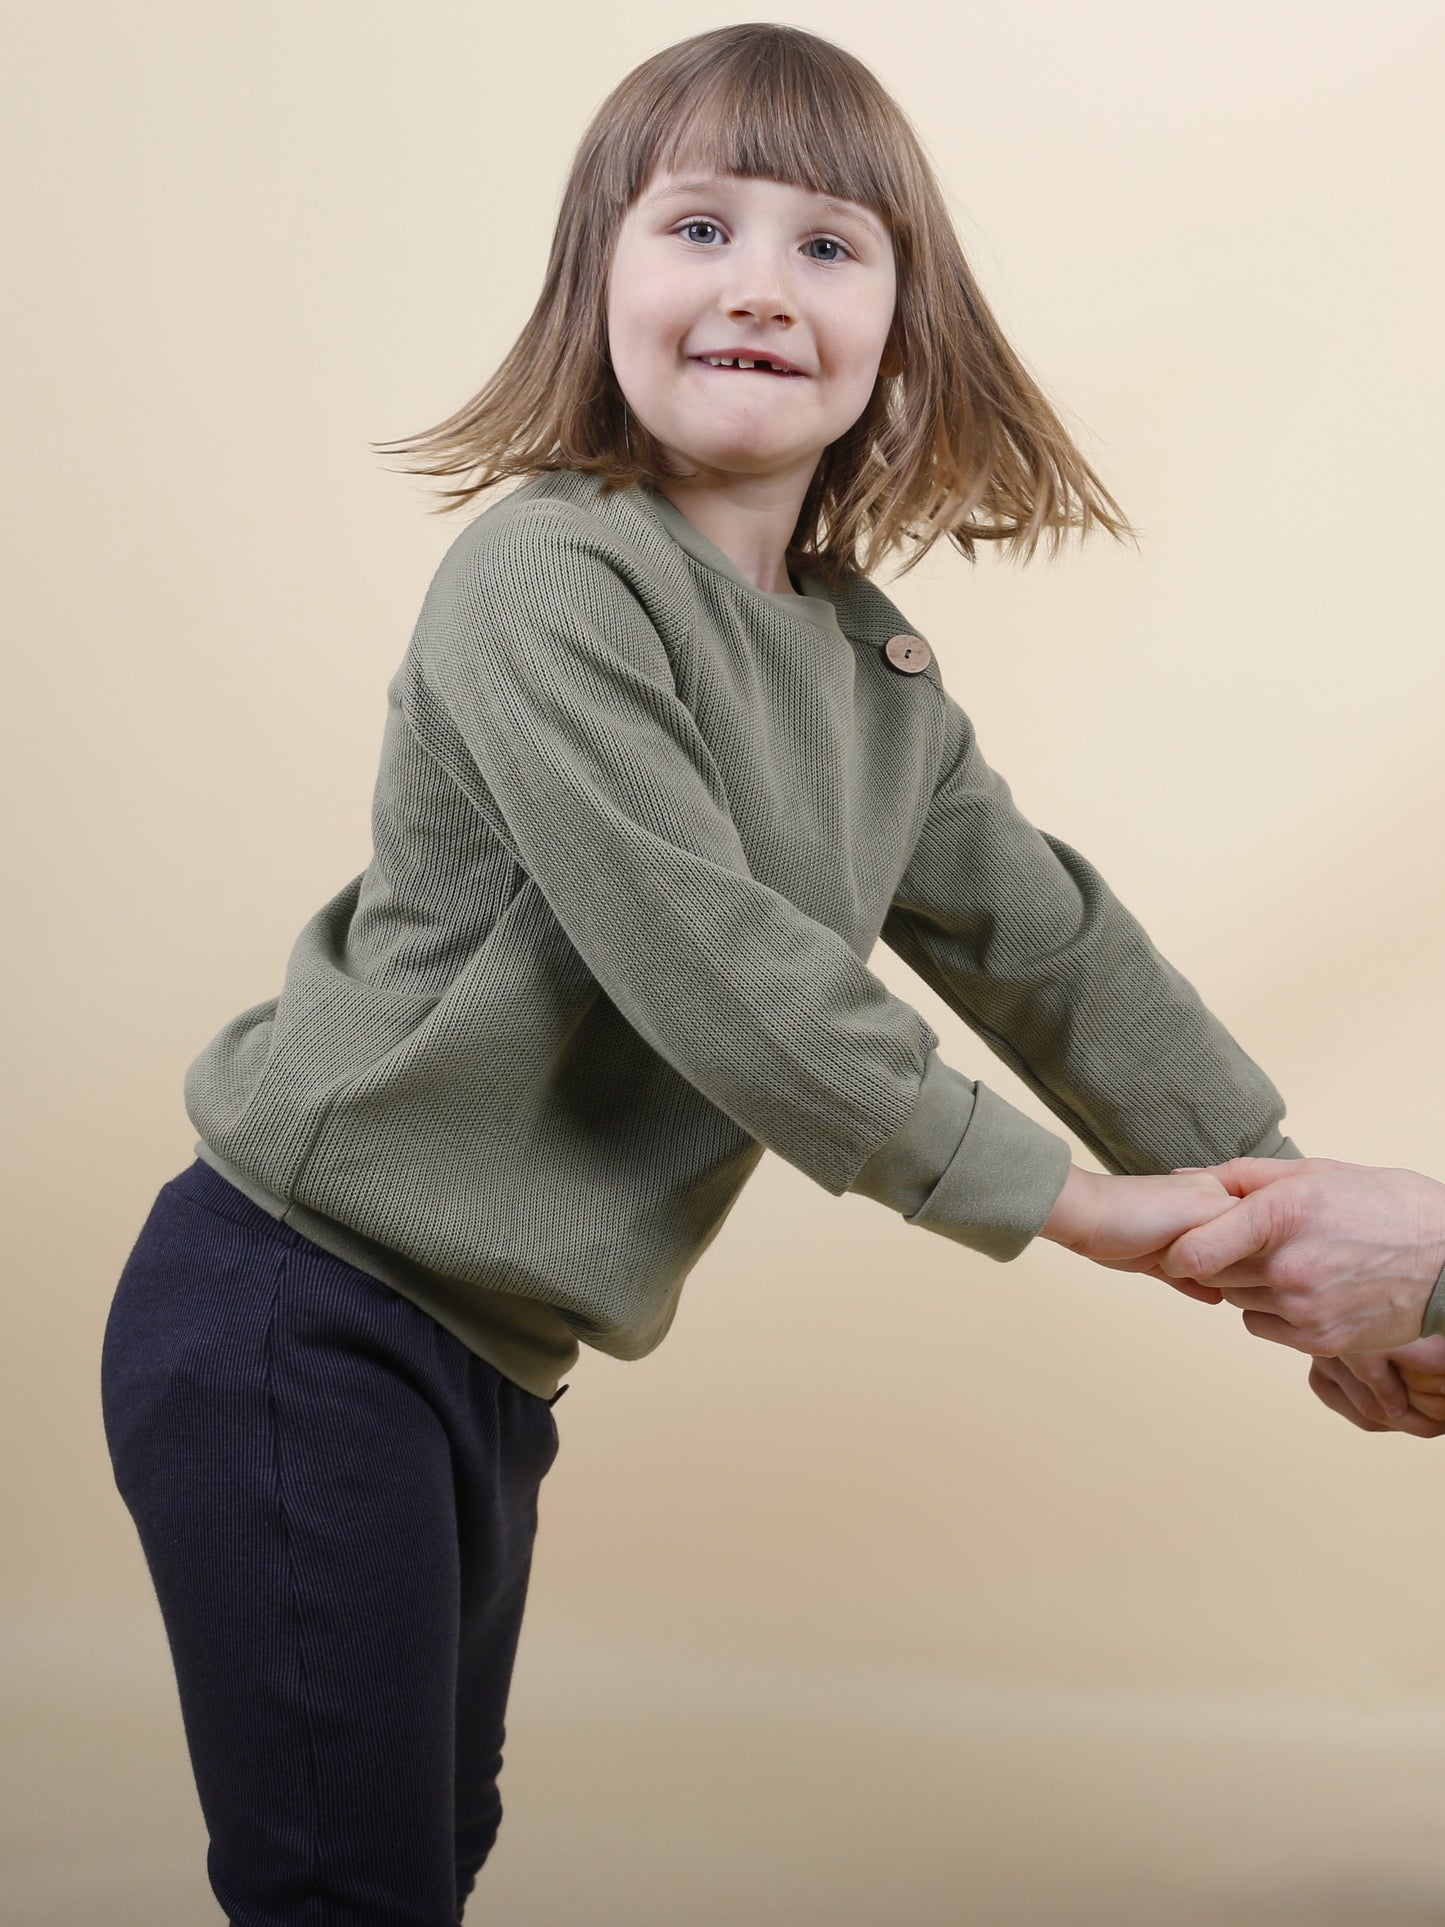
1069 1221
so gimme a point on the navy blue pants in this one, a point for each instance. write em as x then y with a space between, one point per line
337 1502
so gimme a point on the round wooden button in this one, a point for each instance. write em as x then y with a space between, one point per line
908 653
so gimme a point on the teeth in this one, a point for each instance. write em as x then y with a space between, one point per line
724 361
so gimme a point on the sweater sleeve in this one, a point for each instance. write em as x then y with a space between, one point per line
610 799
1022 937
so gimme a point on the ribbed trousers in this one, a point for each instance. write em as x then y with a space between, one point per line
337 1502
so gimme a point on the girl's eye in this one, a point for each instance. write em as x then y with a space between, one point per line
826 240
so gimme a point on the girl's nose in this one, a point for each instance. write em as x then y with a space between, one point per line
756 285
759 312
760 301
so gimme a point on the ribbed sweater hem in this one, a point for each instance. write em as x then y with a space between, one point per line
526 1340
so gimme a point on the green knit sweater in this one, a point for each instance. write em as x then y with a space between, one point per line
637 827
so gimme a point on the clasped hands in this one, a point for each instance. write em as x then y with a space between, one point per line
1336 1260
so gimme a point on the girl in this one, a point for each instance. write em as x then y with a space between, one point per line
661 763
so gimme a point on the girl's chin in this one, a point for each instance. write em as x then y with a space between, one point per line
746 444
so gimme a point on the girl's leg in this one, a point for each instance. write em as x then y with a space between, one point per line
291 1438
493 1594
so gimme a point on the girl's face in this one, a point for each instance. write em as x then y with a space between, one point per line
739 264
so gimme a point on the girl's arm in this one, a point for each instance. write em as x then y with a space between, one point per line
1022 937
595 775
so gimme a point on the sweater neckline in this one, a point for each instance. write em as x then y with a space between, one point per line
814 606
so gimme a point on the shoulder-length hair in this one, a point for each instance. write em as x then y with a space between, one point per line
959 442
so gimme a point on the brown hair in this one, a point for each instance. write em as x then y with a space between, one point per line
960 442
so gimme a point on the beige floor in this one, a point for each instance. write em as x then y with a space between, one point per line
646 1787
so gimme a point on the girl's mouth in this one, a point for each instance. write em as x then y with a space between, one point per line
739 366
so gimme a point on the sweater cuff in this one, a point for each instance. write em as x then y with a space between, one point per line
969 1166
1274 1144
1002 1183
902 1172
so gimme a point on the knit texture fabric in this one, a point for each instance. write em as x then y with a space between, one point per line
637 827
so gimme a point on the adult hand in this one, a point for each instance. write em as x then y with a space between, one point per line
1401 1390
1330 1258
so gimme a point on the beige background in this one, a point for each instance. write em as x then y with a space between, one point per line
1082 1611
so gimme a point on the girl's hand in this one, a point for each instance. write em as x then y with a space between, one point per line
1126 1223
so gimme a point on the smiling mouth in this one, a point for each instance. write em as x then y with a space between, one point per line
759 367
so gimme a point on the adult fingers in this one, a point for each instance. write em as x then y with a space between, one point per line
1418 1381
1242 1176
1336 1385
1239 1233
1191 1287
1328 1393
1374 1370
1424 1359
1360 1394
1429 1404
1264 1324
1206 1294
1250 1297
1417 1425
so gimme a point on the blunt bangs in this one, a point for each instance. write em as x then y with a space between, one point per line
772 121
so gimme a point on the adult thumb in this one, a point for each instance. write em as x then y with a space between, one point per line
1243 1176
1241 1232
